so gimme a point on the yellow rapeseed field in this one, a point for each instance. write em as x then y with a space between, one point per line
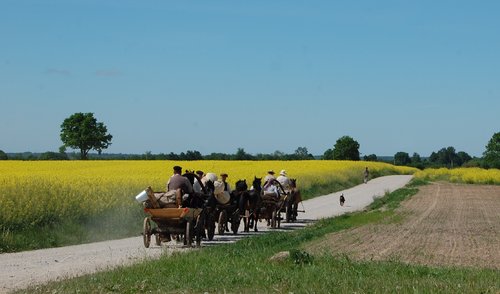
462 175
37 193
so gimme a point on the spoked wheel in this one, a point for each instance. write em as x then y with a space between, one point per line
222 222
146 235
273 219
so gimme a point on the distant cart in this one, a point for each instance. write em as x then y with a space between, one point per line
186 223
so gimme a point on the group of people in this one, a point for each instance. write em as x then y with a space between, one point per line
270 187
272 184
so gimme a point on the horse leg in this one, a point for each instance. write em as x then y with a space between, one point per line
256 212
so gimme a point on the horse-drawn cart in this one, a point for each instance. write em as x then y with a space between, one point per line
272 206
169 221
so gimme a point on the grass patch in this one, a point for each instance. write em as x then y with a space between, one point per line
244 267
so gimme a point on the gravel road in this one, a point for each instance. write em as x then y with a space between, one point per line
20 270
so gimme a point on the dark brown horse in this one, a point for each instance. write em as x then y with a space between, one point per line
251 204
293 201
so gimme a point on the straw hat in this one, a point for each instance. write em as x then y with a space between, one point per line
283 172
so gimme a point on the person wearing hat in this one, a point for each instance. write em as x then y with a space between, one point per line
284 181
227 186
177 181
270 176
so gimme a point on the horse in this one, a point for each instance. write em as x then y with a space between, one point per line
251 201
293 201
195 200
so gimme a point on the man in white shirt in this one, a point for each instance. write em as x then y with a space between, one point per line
284 181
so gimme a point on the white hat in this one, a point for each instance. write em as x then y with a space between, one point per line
209 177
283 172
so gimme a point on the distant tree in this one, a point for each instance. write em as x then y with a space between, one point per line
448 157
53 156
218 156
433 158
346 148
242 155
371 157
173 156
82 131
402 158
463 158
416 161
148 155
415 158
301 153
492 153
193 155
3 155
328 155
277 155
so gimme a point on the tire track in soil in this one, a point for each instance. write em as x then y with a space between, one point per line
443 224
409 229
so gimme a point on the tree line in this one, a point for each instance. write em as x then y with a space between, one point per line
82 132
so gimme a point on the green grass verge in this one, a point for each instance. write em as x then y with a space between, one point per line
244 267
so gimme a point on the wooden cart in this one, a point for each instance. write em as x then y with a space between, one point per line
185 222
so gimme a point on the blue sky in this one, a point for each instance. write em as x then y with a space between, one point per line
214 76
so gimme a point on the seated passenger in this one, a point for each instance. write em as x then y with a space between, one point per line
271 190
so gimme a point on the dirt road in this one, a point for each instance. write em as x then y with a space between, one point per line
20 270
444 224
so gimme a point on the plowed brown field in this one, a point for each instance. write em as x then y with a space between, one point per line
443 224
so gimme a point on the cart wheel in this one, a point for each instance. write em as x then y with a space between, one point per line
222 222
146 235
273 219
188 241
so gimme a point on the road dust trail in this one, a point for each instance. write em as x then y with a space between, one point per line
23 269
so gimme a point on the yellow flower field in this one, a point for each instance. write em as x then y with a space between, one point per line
462 175
37 193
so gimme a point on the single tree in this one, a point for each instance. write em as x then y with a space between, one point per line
492 152
402 158
415 159
346 148
242 155
82 131
302 153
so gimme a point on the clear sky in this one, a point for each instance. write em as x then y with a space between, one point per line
214 76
